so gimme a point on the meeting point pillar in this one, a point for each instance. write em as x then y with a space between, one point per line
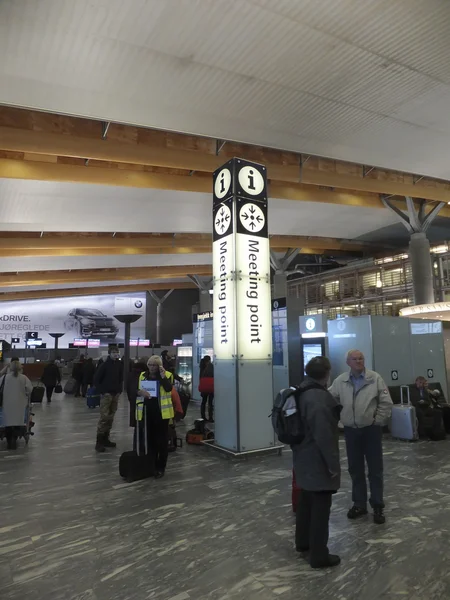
242 310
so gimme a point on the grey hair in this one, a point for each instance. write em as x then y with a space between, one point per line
350 352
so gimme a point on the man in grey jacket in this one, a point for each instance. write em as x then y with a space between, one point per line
316 464
366 407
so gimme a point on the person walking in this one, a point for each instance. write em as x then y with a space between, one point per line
17 389
88 376
155 386
108 381
316 464
77 374
51 377
366 408
206 388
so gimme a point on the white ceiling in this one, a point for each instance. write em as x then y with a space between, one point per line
54 206
360 80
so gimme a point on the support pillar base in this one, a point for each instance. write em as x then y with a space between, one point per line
246 454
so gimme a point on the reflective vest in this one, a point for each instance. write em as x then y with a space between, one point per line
165 400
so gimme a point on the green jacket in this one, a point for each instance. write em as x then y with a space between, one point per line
371 405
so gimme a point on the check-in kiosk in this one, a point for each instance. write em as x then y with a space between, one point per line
313 338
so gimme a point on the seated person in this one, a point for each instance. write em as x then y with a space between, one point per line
428 410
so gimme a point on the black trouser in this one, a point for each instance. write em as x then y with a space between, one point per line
11 434
365 444
77 387
207 399
49 391
311 532
157 435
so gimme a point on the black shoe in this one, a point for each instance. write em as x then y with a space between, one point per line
159 474
378 516
100 445
333 560
49 401
108 443
356 512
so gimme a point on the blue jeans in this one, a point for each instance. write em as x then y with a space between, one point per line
365 445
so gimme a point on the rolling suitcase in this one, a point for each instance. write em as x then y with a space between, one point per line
37 395
92 398
138 464
404 425
70 387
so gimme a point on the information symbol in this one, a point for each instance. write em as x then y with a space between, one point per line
222 184
394 375
222 220
251 181
252 217
310 324
430 373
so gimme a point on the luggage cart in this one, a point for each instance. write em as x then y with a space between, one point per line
25 431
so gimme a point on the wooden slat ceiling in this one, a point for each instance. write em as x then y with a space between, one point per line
74 244
56 147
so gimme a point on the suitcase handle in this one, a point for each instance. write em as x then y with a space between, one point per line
138 430
408 397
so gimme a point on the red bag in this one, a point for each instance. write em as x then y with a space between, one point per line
178 409
206 385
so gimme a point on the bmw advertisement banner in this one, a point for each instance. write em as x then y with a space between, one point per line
77 317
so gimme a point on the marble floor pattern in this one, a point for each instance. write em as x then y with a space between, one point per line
213 529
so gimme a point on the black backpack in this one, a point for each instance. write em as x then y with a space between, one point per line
286 419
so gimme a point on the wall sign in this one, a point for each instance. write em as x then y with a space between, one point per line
241 262
394 375
430 373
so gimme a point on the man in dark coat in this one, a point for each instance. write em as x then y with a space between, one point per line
108 382
316 464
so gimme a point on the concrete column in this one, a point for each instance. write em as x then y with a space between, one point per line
205 299
280 285
422 269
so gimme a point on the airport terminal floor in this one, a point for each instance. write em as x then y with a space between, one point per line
212 529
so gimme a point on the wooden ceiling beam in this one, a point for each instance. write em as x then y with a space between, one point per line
94 291
92 275
20 169
156 244
39 134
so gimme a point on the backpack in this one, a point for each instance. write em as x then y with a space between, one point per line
286 420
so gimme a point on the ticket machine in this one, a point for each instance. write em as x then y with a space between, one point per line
313 337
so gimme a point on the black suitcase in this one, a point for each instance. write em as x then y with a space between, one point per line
37 394
138 464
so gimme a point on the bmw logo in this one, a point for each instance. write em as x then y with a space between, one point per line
138 304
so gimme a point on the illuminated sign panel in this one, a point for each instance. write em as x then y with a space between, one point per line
241 263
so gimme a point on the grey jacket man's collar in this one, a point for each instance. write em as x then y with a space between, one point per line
368 376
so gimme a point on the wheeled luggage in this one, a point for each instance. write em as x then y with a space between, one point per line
138 464
92 398
70 387
404 424
37 395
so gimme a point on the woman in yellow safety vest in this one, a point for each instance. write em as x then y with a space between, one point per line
155 386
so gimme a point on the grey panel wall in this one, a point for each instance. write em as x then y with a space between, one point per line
176 315
390 337
349 334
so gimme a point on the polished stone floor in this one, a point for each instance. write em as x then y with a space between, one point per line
213 529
